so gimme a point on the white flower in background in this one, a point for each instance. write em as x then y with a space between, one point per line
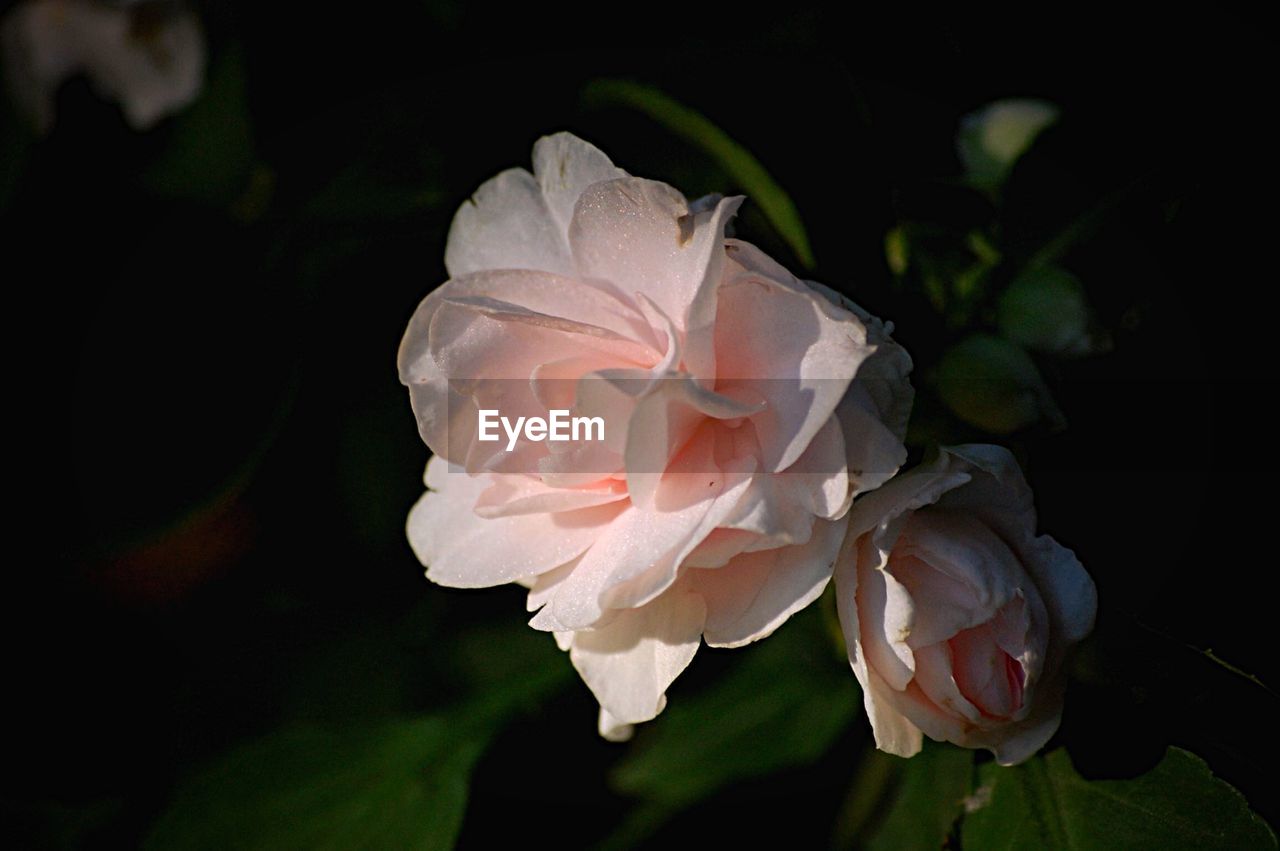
992 139
956 615
147 56
745 409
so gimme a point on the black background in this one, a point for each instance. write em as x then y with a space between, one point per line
214 458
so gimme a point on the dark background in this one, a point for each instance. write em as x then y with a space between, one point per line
214 457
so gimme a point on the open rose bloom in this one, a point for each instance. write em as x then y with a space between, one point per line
743 410
956 615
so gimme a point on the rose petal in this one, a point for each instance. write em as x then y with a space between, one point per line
893 731
755 593
475 337
936 679
509 495
639 235
982 672
463 550
914 489
447 418
565 166
1018 742
819 480
613 730
888 614
629 663
874 450
998 493
794 351
1067 590
946 604
506 224
938 545
639 555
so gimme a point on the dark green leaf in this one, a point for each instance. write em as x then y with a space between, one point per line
928 800
783 705
400 784
1044 309
1044 803
379 784
991 383
736 160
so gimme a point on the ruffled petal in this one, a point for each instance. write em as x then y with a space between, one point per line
894 733
939 547
936 679
629 663
463 550
755 593
640 236
509 495
613 730
1066 588
564 167
887 613
506 224
639 555
791 349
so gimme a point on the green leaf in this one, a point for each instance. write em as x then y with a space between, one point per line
1044 309
400 784
928 801
783 705
1043 803
993 384
736 160
897 251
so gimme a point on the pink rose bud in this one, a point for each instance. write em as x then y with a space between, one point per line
956 615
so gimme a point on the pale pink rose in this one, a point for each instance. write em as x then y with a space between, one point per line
956 615
149 56
743 408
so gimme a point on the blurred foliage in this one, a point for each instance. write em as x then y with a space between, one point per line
1044 309
784 703
738 163
992 384
16 138
364 782
396 785
210 156
992 139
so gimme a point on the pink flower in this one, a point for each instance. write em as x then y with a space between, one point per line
957 617
743 411
149 56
